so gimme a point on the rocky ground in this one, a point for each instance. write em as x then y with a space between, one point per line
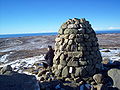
24 47
25 54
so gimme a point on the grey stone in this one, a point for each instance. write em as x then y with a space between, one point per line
83 63
63 62
75 54
81 30
70 31
73 63
77 72
71 21
115 75
62 57
66 40
66 36
18 82
62 47
68 48
64 26
61 41
61 31
6 68
56 56
60 67
73 26
82 20
57 72
65 72
76 20
9 73
98 78
70 42
58 39
72 36
102 87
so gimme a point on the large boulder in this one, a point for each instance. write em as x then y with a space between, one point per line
115 75
18 82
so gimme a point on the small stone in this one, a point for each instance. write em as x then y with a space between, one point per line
58 39
82 20
83 63
61 31
60 67
77 72
70 31
6 68
62 57
98 78
73 63
68 48
66 36
81 82
64 26
61 47
63 63
67 79
70 42
66 40
65 72
101 87
73 26
57 72
72 36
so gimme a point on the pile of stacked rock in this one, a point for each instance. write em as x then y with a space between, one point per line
76 50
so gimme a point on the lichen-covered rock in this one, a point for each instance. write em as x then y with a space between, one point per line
115 75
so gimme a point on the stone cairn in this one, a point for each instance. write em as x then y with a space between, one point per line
76 50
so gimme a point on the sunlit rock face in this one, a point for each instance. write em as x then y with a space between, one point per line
76 50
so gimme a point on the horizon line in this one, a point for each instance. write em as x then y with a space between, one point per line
53 32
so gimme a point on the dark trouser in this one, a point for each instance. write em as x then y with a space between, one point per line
45 65
49 63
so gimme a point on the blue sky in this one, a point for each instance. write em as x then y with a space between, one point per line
35 16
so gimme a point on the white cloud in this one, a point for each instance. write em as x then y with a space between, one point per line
105 28
113 28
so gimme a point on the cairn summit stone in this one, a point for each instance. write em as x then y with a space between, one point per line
76 50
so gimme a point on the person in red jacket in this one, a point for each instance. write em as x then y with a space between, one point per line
49 56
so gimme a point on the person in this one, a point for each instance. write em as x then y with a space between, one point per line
49 56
